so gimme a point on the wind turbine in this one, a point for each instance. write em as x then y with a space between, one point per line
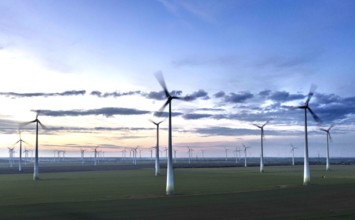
11 156
170 171
35 168
293 154
245 155
190 153
26 155
175 155
329 138
226 150
95 156
236 154
306 170
262 145
82 152
20 155
157 162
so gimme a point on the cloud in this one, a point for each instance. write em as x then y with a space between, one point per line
219 94
8 126
39 94
101 111
282 96
161 95
113 94
195 116
225 131
238 98
198 94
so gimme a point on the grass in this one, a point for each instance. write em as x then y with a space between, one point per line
201 193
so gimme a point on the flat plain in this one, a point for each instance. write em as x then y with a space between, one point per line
201 193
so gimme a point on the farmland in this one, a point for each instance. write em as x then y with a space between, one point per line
201 193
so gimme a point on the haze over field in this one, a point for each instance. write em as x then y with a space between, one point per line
89 67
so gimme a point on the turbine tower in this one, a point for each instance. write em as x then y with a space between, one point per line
11 156
262 145
20 154
306 170
190 154
226 150
329 138
157 162
170 171
293 154
82 152
35 168
245 155
236 154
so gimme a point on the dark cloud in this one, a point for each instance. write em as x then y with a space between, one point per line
265 93
161 95
195 116
113 94
39 94
282 96
210 109
166 114
225 131
238 98
198 94
101 111
8 126
219 94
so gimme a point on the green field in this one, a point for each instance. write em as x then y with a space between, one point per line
201 193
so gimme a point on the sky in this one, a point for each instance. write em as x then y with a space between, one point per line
89 67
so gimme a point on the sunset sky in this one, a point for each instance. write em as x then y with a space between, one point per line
89 66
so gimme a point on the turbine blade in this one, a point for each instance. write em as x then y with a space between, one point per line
26 123
38 111
161 121
160 112
160 78
256 125
315 117
152 121
311 93
17 142
266 123
42 125
331 127
330 137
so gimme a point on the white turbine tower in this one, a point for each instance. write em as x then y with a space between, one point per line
245 155
95 156
262 145
306 170
20 154
157 162
226 151
26 155
237 151
175 155
190 154
82 152
170 169
11 156
293 154
329 138
35 168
